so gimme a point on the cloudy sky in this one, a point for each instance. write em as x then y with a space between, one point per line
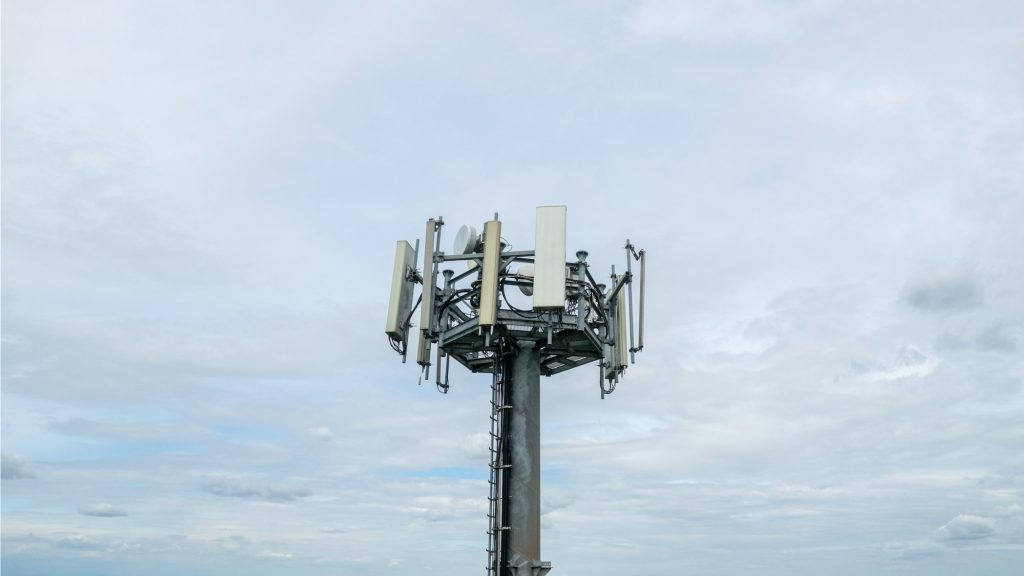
200 204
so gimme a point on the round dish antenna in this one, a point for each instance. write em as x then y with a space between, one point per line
466 240
525 277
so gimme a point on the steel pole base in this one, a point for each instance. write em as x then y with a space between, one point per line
531 568
524 474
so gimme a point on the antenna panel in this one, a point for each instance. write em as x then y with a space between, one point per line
427 296
549 258
621 347
401 291
491 268
427 304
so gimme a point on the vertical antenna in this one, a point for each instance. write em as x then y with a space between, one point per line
620 338
408 320
491 270
612 304
643 271
437 371
401 292
427 303
584 309
629 273
549 258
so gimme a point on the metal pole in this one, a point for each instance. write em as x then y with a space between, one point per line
524 484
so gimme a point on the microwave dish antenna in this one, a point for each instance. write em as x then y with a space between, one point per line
525 276
466 240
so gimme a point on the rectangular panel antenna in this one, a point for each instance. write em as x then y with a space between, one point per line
427 304
549 258
401 291
491 269
427 297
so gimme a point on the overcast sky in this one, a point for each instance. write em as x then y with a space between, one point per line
200 204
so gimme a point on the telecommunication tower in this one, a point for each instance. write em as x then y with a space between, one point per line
568 319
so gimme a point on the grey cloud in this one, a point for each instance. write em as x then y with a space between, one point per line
102 510
909 362
14 467
966 529
909 552
954 289
239 489
1000 337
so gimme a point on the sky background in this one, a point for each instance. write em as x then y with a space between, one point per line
199 207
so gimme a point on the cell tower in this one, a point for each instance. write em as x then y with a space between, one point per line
564 319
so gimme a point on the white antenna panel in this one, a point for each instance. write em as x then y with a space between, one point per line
549 258
427 305
489 278
401 291
427 294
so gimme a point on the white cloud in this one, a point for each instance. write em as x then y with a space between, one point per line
102 510
78 542
321 433
945 289
476 446
967 529
268 554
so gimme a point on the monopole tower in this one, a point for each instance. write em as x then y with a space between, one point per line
517 315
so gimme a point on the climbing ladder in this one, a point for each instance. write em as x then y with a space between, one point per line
498 531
